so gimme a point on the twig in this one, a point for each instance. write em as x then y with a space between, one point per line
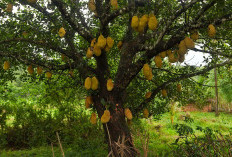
60 144
52 150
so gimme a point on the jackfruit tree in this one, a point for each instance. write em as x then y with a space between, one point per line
127 53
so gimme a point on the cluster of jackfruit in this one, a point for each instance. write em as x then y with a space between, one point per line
139 24
62 32
88 101
96 47
105 118
6 65
147 72
110 85
128 113
91 83
211 31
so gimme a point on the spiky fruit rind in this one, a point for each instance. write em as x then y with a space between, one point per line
119 45
189 43
93 42
152 23
39 70
114 4
89 53
101 42
148 95
96 50
48 75
182 48
88 101
94 83
128 113
146 69
88 82
105 117
91 5
30 69
211 31
135 22
164 93
62 32
145 113
110 42
194 35
163 54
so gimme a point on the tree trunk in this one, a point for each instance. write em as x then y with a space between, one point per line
117 133
216 93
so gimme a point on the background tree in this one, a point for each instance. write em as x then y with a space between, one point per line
57 37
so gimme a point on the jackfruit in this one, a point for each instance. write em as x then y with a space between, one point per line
182 48
150 75
145 113
152 23
173 57
114 4
110 85
141 26
93 118
88 101
169 52
119 45
105 117
164 92
30 69
109 42
107 49
194 35
89 53
9 7
62 32
88 83
163 54
91 5
39 70
211 31
181 58
189 43
146 69
93 42
158 61
94 83
179 87
101 42
6 65
148 95
96 50
31 1
144 20
135 22
48 74
128 113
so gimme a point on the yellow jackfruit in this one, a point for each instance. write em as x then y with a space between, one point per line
93 118
94 83
101 42
110 85
211 31
163 54
146 69
152 23
9 7
169 52
164 92
96 50
39 70
173 57
105 117
88 101
119 45
109 42
107 49
145 113
150 75
179 87
93 42
114 4
194 35
144 20
189 43
62 32
158 61
91 5
148 95
30 69
135 22
141 26
48 74
181 58
88 83
89 53
6 65
182 48
128 113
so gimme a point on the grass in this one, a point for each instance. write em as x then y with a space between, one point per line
161 136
